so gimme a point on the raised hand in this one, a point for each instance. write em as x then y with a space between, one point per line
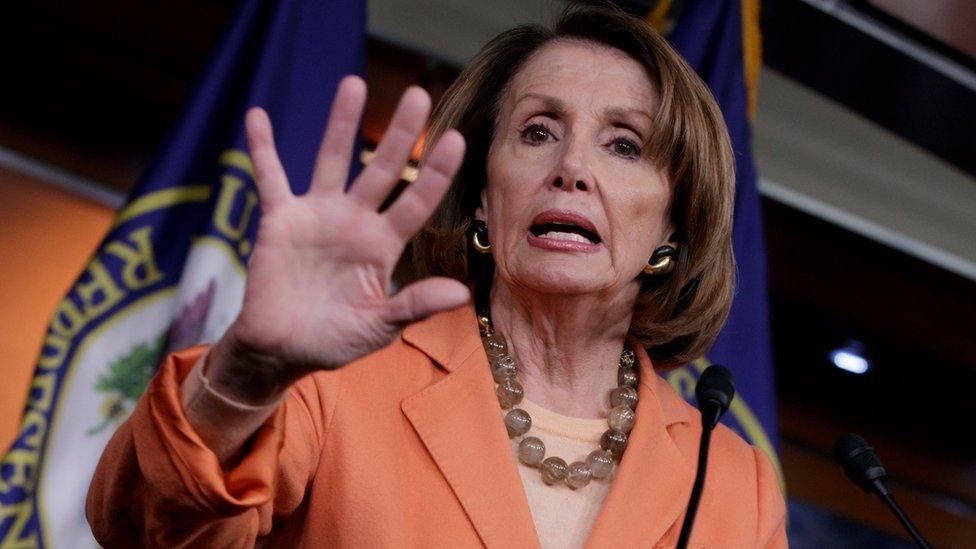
318 288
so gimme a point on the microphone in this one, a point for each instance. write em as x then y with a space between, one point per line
714 392
863 467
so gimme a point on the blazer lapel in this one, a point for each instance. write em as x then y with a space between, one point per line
459 421
654 480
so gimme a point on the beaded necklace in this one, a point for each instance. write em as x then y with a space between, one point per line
531 450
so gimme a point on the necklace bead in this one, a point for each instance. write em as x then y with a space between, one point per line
518 422
495 346
624 396
627 377
615 441
578 475
621 418
509 392
531 451
554 469
503 367
628 359
600 462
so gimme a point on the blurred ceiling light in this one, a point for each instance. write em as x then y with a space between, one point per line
850 358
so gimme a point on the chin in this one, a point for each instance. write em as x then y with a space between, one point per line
560 277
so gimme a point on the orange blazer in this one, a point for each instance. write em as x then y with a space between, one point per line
406 448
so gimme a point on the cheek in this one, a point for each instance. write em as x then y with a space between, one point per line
640 218
514 176
509 205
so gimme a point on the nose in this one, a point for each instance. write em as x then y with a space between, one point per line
571 173
579 185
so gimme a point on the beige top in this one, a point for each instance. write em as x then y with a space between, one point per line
563 517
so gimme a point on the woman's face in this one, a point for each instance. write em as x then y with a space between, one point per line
573 204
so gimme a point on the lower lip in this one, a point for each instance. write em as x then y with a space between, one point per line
562 245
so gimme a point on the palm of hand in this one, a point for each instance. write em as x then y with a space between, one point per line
317 293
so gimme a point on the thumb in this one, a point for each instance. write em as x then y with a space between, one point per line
426 297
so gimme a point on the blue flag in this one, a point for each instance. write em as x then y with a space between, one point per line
170 273
709 34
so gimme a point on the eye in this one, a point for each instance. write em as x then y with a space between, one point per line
536 134
625 148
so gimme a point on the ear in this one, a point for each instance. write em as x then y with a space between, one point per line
671 239
479 212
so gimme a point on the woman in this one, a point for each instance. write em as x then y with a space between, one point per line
590 219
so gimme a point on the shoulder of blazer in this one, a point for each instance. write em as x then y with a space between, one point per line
684 423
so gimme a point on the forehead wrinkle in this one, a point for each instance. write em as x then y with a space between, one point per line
531 74
557 105
550 102
631 106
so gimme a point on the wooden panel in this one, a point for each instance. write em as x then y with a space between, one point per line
814 478
48 237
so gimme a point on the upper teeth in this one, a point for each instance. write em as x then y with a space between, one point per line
557 235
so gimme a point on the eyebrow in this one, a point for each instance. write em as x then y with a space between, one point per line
618 112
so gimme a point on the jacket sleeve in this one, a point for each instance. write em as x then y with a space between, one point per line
771 531
157 482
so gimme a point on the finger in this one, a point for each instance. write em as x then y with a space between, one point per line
417 201
426 297
335 152
383 173
269 176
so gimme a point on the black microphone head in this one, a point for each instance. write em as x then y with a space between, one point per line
715 384
859 461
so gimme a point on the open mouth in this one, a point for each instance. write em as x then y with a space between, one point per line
565 231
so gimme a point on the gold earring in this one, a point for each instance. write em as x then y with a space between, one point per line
480 230
662 261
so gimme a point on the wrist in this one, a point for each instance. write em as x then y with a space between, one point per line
244 374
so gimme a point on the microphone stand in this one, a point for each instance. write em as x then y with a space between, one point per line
863 467
881 489
714 392
713 413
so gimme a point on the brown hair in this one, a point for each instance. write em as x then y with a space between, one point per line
677 316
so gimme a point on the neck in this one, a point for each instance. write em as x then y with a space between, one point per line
567 348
